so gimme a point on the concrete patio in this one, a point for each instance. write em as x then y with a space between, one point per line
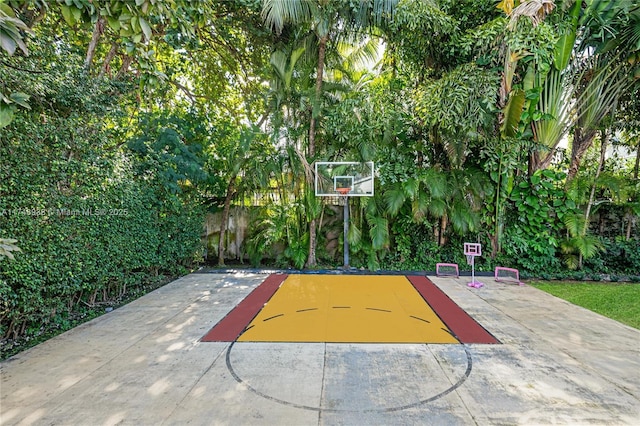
143 364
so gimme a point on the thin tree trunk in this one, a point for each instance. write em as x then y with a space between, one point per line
604 139
629 226
126 63
603 150
442 240
581 143
106 65
320 73
93 44
311 260
636 169
225 219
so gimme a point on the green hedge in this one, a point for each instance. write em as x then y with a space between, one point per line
92 242
96 221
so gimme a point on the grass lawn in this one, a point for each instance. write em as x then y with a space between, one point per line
619 301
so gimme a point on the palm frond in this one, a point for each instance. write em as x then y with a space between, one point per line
435 182
437 207
354 236
394 198
277 13
574 223
535 10
601 92
587 245
379 232
420 206
512 113
555 103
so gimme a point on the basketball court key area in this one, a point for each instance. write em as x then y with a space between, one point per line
349 309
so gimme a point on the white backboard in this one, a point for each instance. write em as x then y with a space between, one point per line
332 175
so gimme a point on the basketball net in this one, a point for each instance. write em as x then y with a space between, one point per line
470 259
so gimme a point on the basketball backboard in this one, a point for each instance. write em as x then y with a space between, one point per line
332 176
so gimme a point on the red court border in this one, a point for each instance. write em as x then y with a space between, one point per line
231 326
463 327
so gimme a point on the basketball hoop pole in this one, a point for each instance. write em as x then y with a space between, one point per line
344 193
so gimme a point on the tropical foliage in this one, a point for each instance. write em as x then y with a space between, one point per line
515 124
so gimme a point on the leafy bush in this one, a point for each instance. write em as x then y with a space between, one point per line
619 256
95 223
414 247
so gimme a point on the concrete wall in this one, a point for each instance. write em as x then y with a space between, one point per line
237 229
234 235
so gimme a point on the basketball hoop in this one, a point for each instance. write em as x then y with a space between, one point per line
472 250
343 191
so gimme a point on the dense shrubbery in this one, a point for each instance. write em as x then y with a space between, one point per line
95 221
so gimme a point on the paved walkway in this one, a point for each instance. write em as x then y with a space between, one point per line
143 364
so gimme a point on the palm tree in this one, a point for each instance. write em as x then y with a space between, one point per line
247 167
591 73
326 18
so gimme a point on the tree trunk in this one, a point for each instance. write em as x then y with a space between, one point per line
540 160
637 165
630 221
106 65
547 160
629 226
95 38
126 63
322 48
225 219
442 240
604 136
311 260
603 150
582 140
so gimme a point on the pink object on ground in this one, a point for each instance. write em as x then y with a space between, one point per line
447 265
503 278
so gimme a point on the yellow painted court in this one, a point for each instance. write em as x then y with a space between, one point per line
347 308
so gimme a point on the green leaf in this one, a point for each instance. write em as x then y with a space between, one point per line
20 99
529 78
438 207
114 23
146 29
6 115
535 179
564 46
7 10
394 198
379 232
67 15
77 14
512 113
7 43
354 235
